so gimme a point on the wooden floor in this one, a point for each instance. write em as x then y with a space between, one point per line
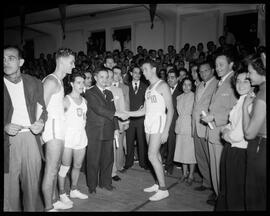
129 196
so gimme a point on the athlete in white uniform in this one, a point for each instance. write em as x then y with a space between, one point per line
155 116
54 130
75 138
157 123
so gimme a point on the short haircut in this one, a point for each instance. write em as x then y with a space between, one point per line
108 57
76 74
99 69
210 63
183 69
228 54
16 48
153 63
136 66
64 52
116 67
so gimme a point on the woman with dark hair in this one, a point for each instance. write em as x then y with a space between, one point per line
184 146
254 127
75 107
233 159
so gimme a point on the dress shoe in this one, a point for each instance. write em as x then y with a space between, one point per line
116 178
211 202
124 170
201 188
109 187
189 181
92 191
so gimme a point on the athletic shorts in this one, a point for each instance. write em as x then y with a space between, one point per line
75 139
154 124
54 129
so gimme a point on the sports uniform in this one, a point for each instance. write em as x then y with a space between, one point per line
54 127
75 136
155 116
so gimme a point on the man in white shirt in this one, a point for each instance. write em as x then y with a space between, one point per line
24 116
127 43
116 44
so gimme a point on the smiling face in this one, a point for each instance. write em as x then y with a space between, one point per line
12 62
172 79
206 72
243 84
101 78
187 86
223 66
78 84
88 79
136 74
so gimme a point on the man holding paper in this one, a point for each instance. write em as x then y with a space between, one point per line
24 116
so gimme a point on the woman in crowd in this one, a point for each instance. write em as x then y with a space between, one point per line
233 159
184 147
75 138
254 127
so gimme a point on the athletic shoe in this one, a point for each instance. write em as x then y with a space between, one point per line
60 205
153 188
159 195
77 194
53 210
64 198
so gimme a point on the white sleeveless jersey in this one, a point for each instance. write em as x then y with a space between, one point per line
75 116
155 104
55 107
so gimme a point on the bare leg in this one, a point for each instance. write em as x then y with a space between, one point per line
191 170
66 161
185 170
54 149
155 158
78 156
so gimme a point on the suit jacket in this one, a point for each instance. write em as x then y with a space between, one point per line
100 114
137 100
220 106
126 94
33 91
176 92
202 104
119 102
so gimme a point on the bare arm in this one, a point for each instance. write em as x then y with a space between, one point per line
165 91
137 113
252 124
50 87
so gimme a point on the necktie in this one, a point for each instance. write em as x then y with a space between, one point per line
136 88
104 93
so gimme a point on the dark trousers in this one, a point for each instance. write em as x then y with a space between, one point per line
22 183
136 132
232 179
168 148
99 163
256 174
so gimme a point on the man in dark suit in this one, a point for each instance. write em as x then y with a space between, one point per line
136 126
101 128
168 148
23 99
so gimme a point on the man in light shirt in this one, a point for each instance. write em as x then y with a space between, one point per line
116 44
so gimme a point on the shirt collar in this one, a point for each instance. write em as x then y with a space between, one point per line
224 77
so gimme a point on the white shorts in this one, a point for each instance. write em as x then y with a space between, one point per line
154 124
54 129
75 139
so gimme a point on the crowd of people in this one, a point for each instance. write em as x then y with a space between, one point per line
204 108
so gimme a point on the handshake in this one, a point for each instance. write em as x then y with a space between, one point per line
122 115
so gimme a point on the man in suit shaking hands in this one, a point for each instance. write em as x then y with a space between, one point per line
101 128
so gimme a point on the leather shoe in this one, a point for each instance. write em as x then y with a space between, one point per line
124 170
109 187
116 178
211 202
201 188
92 191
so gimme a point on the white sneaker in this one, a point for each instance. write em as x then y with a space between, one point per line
60 205
153 188
53 210
64 198
77 194
161 194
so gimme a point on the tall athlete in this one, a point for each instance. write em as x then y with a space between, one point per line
54 129
156 124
